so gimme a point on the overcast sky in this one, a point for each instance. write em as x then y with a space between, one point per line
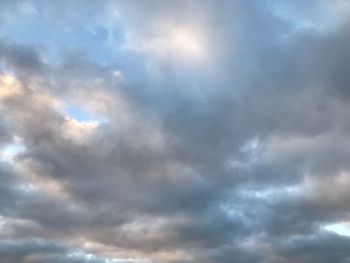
175 131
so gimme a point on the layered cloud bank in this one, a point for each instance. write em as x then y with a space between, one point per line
174 131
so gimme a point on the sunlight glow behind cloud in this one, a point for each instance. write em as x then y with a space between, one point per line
341 228
172 42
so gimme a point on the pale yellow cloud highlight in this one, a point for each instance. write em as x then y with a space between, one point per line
9 87
171 41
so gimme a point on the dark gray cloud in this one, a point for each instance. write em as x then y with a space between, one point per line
21 58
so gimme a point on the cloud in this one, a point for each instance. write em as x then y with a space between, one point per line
135 150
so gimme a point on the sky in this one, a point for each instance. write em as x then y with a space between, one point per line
182 131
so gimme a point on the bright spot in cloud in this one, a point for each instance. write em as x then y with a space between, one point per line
171 42
9 86
342 228
10 151
185 41
118 75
